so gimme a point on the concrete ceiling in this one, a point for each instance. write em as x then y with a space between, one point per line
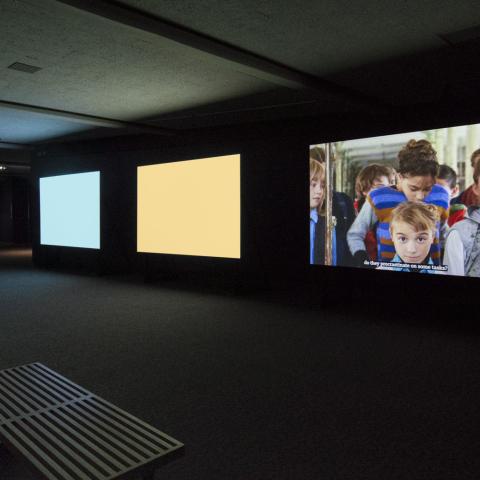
321 37
144 65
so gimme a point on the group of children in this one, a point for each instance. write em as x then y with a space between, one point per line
407 220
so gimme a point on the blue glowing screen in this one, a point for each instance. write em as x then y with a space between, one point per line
70 210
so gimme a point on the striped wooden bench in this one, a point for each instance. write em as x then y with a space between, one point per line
67 433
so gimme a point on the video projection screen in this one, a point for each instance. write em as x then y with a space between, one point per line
408 202
70 210
190 207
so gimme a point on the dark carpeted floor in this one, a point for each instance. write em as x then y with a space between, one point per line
256 388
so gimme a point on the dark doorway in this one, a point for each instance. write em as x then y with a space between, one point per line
15 225
15 211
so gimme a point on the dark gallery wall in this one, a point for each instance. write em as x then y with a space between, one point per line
274 206
15 196
14 210
262 187
6 223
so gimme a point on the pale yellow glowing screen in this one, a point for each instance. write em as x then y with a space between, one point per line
190 207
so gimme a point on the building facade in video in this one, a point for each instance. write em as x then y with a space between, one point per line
405 202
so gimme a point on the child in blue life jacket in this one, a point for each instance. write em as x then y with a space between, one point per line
417 172
412 228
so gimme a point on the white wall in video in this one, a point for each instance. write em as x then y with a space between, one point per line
70 210
407 202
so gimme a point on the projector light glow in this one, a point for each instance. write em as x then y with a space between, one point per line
190 207
70 210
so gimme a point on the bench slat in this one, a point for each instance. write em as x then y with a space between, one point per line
69 444
108 450
59 379
68 433
127 431
30 451
94 428
92 450
28 392
53 452
122 416
11 408
114 432
21 396
46 386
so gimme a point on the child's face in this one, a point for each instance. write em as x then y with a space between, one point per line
475 160
317 192
381 181
476 191
415 188
410 245
452 192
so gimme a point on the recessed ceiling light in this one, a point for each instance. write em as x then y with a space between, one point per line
461 36
24 67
